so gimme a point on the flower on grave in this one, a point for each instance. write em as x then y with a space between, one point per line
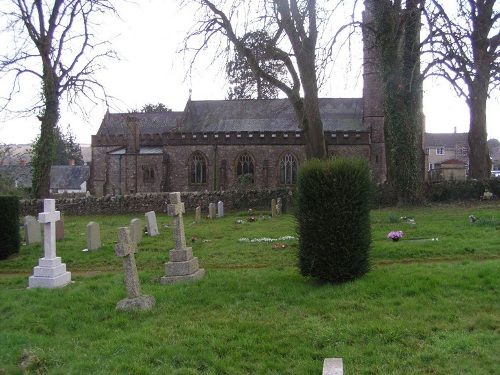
283 246
276 245
395 235
472 218
251 219
266 239
239 222
193 239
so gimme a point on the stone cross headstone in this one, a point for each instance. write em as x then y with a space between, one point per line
211 211
220 209
151 224
182 266
32 230
197 215
333 366
126 248
273 208
279 207
50 272
136 230
93 236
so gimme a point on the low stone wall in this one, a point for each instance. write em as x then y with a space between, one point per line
140 203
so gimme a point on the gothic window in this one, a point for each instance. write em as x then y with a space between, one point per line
198 169
245 167
148 173
288 170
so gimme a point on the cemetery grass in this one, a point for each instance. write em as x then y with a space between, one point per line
426 306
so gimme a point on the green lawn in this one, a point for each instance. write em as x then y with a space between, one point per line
427 306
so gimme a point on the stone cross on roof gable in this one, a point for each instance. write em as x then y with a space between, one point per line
48 218
176 209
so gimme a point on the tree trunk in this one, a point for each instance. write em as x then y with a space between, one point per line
479 155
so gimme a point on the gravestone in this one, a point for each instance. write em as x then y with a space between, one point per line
126 248
59 230
197 215
273 207
333 366
50 272
182 265
211 211
93 236
278 207
136 230
151 224
32 230
220 209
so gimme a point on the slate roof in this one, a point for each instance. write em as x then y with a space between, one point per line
267 115
20 174
68 176
150 123
447 140
452 161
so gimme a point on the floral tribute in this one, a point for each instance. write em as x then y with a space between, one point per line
395 235
266 239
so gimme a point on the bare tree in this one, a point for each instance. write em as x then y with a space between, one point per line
293 34
55 43
466 49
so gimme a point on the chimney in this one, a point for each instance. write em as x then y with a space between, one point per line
455 130
22 162
132 134
71 161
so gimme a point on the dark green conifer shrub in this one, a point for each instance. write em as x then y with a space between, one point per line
9 226
333 217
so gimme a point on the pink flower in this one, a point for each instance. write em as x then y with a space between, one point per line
193 239
283 246
276 245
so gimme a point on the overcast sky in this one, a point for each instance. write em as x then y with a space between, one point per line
151 70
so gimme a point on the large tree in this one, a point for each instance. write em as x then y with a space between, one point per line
293 34
466 49
243 83
395 28
54 42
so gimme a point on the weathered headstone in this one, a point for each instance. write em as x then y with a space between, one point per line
126 248
273 208
50 272
32 230
136 230
197 215
211 211
182 265
333 366
278 207
93 236
151 224
220 209
59 230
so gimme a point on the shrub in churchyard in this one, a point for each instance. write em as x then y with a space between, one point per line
333 217
9 226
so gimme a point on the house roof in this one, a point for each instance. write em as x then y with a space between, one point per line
68 176
452 161
267 115
150 123
20 174
447 140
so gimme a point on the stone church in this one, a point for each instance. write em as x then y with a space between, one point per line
225 144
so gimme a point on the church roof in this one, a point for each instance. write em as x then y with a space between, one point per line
267 115
68 176
239 115
150 123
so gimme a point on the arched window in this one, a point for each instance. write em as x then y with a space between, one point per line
245 167
288 170
198 169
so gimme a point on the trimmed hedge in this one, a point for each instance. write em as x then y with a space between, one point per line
333 216
9 226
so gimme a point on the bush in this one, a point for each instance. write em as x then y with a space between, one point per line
9 226
333 217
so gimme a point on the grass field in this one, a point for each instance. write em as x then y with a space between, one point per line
429 305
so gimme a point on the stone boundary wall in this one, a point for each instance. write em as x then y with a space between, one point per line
140 203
